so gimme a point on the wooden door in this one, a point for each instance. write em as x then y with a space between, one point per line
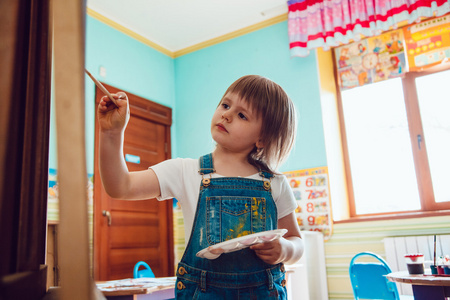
126 232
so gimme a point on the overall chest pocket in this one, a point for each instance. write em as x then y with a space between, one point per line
229 217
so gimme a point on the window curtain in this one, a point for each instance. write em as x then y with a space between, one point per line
329 23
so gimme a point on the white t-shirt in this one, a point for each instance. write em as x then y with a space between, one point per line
179 178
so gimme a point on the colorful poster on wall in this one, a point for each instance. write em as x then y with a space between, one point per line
427 43
311 190
178 233
53 197
371 60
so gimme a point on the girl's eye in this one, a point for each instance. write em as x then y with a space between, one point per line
242 116
226 106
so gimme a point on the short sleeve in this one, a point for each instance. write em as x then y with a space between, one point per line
284 199
179 178
173 176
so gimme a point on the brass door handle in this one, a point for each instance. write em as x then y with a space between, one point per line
107 214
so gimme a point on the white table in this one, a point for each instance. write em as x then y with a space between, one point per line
138 289
425 287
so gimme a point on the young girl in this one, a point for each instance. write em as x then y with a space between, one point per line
229 193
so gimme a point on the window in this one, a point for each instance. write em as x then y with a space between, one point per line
434 104
396 137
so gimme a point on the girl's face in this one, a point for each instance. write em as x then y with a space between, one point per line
235 126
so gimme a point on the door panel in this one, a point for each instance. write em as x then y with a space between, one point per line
145 140
135 230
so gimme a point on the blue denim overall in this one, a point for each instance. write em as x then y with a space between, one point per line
229 207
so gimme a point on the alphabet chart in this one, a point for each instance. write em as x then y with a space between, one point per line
311 190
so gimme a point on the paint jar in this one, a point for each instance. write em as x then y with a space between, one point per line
414 263
447 270
440 270
433 269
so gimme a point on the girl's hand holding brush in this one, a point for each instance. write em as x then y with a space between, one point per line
112 116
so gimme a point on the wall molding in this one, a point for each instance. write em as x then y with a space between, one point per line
190 49
130 33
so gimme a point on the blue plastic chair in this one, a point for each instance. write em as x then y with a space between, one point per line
368 280
146 272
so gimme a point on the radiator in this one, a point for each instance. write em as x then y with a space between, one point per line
397 247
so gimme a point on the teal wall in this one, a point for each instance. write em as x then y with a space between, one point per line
193 84
203 76
130 65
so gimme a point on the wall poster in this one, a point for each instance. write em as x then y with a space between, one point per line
371 60
311 190
427 43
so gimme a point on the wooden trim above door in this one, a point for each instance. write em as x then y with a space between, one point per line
154 111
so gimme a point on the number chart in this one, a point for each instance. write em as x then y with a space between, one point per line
311 190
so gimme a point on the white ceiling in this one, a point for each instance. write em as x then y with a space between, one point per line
178 24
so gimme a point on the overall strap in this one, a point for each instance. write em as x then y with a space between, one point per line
266 174
206 164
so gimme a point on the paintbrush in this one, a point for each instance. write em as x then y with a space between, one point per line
434 249
102 88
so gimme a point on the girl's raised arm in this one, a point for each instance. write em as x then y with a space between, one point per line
117 180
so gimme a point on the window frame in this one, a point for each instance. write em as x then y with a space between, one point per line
423 175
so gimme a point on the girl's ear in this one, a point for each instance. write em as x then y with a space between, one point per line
259 144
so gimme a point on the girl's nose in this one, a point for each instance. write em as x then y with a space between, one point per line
226 116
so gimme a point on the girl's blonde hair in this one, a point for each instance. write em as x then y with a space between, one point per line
278 114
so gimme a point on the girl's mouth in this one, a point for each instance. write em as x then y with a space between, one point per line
221 127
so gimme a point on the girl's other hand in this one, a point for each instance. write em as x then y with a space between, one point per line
272 252
112 118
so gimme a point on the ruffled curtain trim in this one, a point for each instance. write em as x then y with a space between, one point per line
330 23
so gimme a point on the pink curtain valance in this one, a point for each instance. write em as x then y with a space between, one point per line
329 23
